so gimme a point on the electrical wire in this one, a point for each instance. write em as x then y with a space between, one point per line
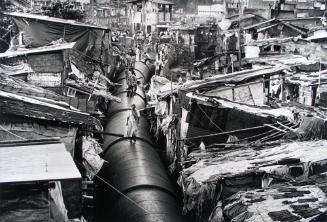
115 189
208 117
22 138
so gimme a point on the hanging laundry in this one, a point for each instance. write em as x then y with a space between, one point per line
161 108
92 161
165 124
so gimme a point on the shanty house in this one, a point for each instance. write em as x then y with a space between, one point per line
31 113
236 21
40 31
32 178
275 28
62 49
37 113
43 66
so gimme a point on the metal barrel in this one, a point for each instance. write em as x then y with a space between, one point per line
137 186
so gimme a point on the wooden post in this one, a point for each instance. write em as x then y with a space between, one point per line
282 88
239 34
92 10
171 12
164 11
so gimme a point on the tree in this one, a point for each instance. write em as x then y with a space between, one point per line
5 27
64 10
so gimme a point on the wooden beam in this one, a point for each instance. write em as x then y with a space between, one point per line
276 128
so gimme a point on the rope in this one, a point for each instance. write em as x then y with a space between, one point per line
224 133
22 138
112 187
208 117
129 199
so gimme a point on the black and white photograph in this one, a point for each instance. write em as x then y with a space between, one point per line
163 110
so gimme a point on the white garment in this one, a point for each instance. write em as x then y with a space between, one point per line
137 52
261 36
161 108
248 38
132 123
202 146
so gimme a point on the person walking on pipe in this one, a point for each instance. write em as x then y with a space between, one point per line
132 123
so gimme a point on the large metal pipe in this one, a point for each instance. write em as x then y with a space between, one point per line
140 189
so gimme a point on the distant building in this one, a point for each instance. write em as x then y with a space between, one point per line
211 10
146 15
259 7
109 15
290 9
214 12
47 2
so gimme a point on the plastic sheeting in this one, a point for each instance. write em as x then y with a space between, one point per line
198 198
58 211
157 82
312 128
39 33
92 161
161 108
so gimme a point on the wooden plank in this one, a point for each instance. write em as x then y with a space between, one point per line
20 108
36 163
276 128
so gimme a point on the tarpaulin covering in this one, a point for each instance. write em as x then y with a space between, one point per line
39 33
312 128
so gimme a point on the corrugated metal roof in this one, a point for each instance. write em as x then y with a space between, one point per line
36 163
163 2
236 77
26 51
56 20
155 1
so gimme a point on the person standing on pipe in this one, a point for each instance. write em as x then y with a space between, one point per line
129 82
133 83
132 123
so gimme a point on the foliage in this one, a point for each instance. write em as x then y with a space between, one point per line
64 10
3 6
5 27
